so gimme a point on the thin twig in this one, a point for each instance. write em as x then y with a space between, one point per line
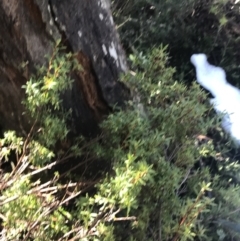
184 179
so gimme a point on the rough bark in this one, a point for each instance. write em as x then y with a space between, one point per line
29 29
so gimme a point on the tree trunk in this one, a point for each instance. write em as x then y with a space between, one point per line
29 30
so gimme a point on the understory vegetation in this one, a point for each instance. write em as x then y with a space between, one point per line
187 27
161 169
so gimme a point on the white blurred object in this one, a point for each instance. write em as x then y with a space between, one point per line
227 97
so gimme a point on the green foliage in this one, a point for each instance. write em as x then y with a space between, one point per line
158 185
29 207
23 208
157 144
43 97
154 141
187 27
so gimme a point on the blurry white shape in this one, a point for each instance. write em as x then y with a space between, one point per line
227 97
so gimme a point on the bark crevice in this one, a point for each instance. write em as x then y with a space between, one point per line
31 28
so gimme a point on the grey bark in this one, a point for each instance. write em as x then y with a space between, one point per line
28 31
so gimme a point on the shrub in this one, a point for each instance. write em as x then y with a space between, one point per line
153 145
187 27
32 197
156 186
